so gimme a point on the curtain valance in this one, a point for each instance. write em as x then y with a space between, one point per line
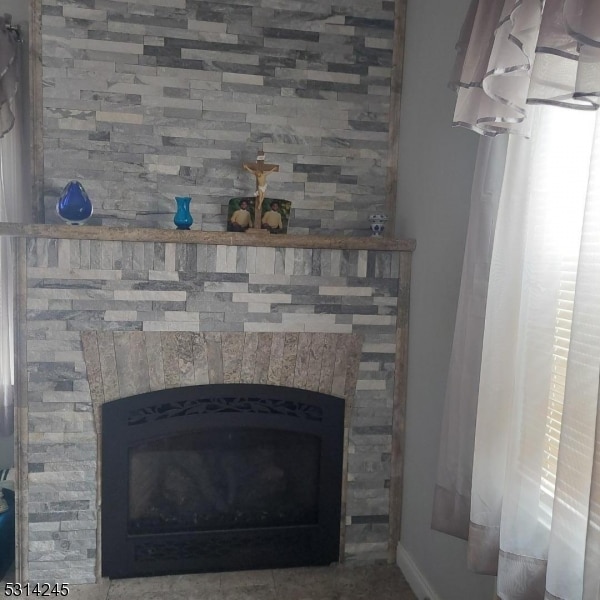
9 79
512 53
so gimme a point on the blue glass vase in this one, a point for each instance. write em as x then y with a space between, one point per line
74 205
183 219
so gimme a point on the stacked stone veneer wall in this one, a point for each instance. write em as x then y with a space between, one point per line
211 292
143 101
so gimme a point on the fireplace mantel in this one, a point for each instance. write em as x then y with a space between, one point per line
136 234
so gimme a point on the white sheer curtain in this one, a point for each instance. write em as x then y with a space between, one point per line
535 494
452 498
9 72
526 375
529 517
12 202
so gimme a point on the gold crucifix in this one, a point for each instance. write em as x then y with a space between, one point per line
260 170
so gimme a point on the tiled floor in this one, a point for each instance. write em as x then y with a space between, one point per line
311 583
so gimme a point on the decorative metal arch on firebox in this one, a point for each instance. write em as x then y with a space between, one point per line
221 477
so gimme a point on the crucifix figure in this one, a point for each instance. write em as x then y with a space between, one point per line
260 170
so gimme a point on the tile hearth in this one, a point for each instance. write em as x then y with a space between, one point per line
372 582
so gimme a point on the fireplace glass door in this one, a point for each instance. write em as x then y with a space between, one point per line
223 479
220 477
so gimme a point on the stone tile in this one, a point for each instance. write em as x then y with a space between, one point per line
302 360
276 361
243 580
381 582
249 592
156 375
132 362
170 359
214 355
301 576
262 358
205 585
140 586
199 594
132 592
233 351
200 359
315 361
108 364
94 373
290 351
250 348
201 582
98 591
186 359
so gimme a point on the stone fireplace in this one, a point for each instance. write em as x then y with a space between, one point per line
149 310
144 101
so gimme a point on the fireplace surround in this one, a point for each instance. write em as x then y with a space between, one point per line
106 314
221 477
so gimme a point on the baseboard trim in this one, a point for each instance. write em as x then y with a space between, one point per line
417 581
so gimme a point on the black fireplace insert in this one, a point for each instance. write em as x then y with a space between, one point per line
220 477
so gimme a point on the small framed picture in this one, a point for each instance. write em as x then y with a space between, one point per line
274 218
240 214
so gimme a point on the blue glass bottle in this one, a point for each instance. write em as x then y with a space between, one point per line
74 205
183 219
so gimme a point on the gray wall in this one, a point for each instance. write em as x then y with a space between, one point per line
435 175
19 9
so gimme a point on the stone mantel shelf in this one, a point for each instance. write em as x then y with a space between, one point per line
130 234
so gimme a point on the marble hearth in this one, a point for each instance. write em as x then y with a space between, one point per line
105 314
